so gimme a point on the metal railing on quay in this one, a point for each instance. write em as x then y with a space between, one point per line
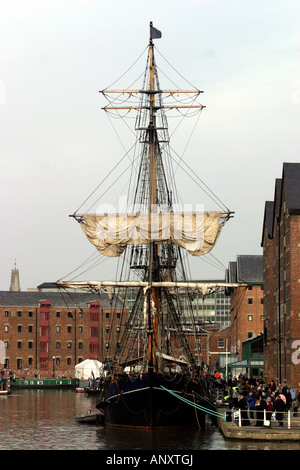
262 418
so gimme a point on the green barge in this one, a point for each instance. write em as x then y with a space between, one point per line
44 383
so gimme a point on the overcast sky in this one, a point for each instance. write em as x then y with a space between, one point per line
57 144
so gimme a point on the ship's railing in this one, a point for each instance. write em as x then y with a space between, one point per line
262 418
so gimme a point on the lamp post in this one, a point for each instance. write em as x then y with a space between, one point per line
53 358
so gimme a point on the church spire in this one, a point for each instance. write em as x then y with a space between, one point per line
15 280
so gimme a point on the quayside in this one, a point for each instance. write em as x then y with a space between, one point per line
152 378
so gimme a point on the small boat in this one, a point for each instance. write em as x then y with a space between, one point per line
30 383
91 417
94 387
4 387
80 390
91 390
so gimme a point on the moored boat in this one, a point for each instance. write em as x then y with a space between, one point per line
4 387
41 383
90 417
153 379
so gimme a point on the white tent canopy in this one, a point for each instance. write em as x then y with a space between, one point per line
84 369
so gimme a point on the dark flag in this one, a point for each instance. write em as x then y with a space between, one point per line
155 33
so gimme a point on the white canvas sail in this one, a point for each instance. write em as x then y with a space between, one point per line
197 232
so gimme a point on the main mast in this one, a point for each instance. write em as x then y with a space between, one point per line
160 259
153 330
153 260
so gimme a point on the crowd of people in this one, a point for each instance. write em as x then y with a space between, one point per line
260 401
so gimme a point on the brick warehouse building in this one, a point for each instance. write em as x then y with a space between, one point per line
281 260
246 301
48 331
37 326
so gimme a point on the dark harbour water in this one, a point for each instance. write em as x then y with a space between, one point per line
44 420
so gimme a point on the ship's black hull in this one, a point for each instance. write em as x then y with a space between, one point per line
141 402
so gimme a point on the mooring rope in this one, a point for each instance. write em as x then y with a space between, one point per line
189 402
202 398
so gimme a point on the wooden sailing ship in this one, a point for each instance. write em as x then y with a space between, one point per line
154 380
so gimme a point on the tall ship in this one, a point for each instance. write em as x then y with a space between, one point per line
153 379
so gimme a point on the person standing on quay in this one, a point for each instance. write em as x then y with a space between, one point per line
270 408
251 401
243 406
260 407
279 407
296 404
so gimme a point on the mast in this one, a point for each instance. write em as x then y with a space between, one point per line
155 248
153 300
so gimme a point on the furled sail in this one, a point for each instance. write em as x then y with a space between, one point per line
197 232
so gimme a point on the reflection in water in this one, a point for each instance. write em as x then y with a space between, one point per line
44 420
191 439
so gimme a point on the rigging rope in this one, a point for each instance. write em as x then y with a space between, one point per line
127 69
175 69
195 174
189 402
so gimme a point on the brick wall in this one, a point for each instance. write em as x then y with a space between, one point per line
268 302
246 315
281 256
67 338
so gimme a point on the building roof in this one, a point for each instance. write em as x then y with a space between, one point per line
231 272
247 268
48 285
250 268
291 176
268 221
291 180
277 195
57 299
